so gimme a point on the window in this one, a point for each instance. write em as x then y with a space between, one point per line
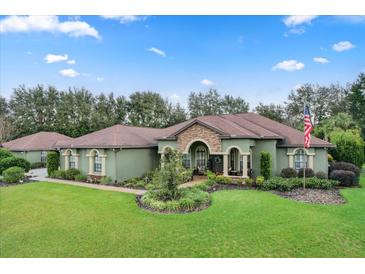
72 162
186 160
300 159
97 163
43 156
201 157
233 155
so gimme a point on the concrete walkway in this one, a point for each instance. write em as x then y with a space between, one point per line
40 174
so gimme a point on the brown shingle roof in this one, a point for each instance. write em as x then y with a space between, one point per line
243 125
38 141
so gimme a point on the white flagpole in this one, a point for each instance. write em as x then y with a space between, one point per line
305 155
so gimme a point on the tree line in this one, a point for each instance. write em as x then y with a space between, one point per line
77 111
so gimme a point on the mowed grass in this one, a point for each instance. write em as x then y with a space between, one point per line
54 220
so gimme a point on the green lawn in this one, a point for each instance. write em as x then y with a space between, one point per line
54 220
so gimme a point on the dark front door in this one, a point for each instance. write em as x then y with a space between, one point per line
216 163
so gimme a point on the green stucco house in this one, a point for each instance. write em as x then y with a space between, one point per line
34 147
227 144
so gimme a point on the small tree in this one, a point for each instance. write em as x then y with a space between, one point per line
265 164
170 175
53 162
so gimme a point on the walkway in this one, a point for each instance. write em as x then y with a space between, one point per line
40 174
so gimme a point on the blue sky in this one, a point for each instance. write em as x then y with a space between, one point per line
259 58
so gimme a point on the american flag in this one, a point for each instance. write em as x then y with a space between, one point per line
307 127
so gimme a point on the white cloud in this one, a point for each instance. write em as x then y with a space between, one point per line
320 60
125 19
297 31
71 62
69 73
53 58
157 51
99 79
342 46
48 24
296 20
207 82
289 65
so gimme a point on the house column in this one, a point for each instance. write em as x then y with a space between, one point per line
91 164
244 166
225 164
291 161
67 162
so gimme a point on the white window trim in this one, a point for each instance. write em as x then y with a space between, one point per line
91 156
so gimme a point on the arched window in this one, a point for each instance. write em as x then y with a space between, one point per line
97 162
186 158
300 159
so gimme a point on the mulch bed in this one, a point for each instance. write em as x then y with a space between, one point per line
313 196
25 181
218 187
141 205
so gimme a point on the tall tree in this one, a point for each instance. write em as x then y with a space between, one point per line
177 114
319 98
272 111
211 103
356 102
147 109
6 128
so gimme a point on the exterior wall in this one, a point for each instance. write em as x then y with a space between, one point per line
321 160
197 131
264 145
30 156
120 164
243 144
135 162
282 159
166 143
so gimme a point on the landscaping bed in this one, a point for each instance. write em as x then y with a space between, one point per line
313 196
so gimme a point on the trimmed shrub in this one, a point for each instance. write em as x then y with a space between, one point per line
249 181
308 173
220 179
37 165
5 163
59 174
4 153
345 177
260 180
80 177
106 180
329 158
13 175
349 147
190 199
288 184
288 172
135 183
265 164
53 161
321 175
345 166
187 175
71 173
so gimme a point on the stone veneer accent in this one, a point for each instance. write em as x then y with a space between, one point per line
197 131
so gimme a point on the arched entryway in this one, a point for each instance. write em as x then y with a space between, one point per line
196 157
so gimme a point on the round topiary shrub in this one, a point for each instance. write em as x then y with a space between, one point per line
345 166
288 172
13 175
308 173
320 175
345 177
5 163
71 173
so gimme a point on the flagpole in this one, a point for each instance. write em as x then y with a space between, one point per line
305 156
